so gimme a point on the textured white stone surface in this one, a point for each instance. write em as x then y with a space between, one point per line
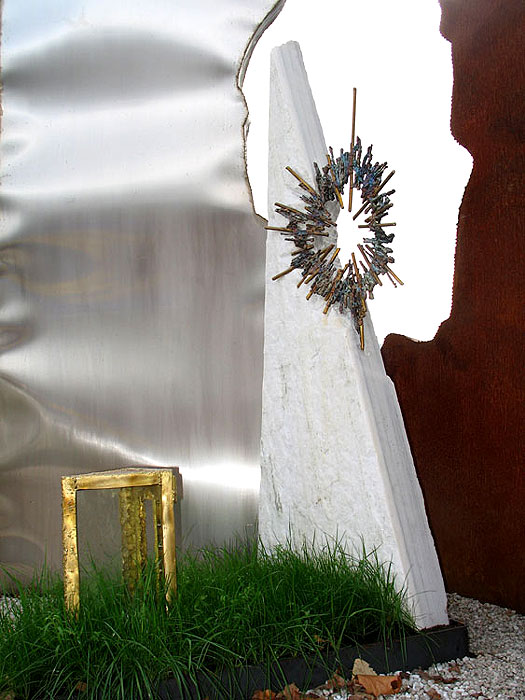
335 457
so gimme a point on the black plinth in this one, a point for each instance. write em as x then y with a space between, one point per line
416 651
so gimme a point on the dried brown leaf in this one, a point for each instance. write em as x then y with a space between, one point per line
336 681
433 694
361 667
264 695
442 679
290 692
81 687
380 685
436 677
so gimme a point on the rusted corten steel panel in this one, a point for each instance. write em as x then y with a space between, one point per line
463 394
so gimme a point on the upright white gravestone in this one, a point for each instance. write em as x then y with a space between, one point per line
335 457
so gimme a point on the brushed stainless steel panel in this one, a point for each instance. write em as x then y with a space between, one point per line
132 266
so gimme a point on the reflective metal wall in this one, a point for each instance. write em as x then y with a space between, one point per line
132 266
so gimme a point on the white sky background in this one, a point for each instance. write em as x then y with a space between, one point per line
393 53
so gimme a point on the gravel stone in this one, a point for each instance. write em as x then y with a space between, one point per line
496 671
8 604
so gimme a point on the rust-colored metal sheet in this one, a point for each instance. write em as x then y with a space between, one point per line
463 394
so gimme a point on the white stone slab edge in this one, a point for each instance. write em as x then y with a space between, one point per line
335 459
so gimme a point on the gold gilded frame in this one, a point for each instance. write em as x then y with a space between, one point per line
136 484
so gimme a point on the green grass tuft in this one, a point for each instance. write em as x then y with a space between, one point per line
235 606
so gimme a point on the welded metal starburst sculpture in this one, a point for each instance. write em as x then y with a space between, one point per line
346 287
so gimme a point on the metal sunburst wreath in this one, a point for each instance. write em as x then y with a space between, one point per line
347 287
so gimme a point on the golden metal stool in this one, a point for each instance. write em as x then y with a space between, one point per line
136 484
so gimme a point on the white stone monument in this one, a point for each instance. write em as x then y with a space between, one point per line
335 457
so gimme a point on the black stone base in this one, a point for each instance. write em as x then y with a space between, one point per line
417 651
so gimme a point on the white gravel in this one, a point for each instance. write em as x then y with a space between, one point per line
7 604
497 638
497 672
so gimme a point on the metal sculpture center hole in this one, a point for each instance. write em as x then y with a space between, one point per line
348 235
